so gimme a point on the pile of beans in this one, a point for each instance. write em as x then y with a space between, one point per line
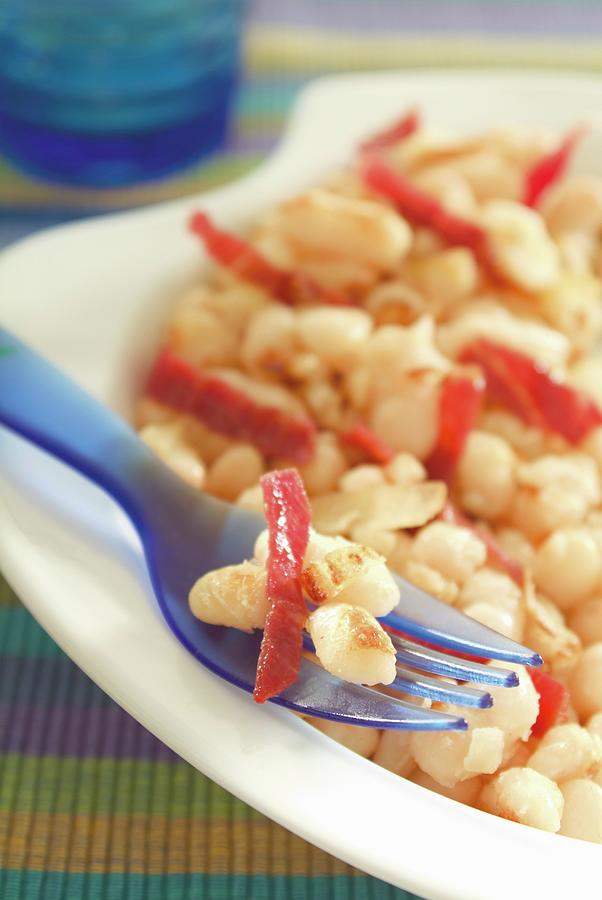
416 303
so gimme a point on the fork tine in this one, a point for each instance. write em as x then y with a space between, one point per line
317 693
422 686
438 663
427 619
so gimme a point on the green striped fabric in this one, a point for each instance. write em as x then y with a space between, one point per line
93 807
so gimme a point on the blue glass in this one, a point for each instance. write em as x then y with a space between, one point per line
113 92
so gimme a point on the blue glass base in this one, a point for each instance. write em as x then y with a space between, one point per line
111 160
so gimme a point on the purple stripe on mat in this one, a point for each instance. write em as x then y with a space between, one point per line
102 731
24 680
521 18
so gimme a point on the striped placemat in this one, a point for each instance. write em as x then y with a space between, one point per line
92 806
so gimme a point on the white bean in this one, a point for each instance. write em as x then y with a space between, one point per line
234 596
322 223
585 682
237 468
586 621
490 320
321 475
567 566
393 752
463 791
362 741
405 469
430 580
170 444
352 574
582 816
409 421
351 644
486 475
485 751
336 336
445 278
520 245
360 477
523 795
269 343
454 551
567 751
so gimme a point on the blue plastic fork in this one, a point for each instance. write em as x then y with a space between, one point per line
185 533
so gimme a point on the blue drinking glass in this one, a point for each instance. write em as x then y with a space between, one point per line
112 92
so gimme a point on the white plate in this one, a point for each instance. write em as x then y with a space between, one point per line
92 297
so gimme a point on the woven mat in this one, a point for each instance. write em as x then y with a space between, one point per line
92 806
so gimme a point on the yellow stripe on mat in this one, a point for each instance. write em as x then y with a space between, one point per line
308 49
138 844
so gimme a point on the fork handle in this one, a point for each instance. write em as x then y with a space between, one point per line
44 406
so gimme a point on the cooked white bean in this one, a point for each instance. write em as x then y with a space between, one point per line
427 578
394 303
516 545
394 352
322 223
490 175
381 540
393 752
409 421
201 337
269 343
523 795
520 245
351 644
361 477
448 185
405 469
586 375
582 816
322 473
567 566
355 575
538 513
252 499
574 205
463 791
325 404
444 278
234 596
495 588
237 468
454 551
441 754
450 757
586 621
567 751
336 336
514 711
170 444
528 442
363 741
485 751
546 632
490 320
576 472
501 620
486 475
585 682
572 305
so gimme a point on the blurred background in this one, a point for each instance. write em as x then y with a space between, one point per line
110 104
